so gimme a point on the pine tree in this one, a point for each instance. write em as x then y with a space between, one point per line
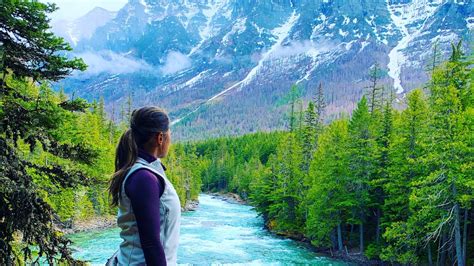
293 99
330 177
381 162
361 163
29 49
34 115
320 104
313 124
375 91
309 135
262 187
287 195
406 168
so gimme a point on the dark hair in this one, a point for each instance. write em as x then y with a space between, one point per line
144 124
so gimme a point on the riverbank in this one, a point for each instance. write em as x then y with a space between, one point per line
348 255
229 197
191 205
93 223
105 222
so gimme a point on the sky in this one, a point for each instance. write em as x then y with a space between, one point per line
72 9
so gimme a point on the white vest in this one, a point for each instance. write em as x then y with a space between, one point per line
130 252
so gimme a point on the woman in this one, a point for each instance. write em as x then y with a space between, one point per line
149 210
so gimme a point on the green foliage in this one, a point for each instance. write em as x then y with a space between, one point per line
329 184
407 166
185 171
289 186
373 251
38 159
361 163
29 133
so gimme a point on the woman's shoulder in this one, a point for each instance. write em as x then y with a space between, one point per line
144 178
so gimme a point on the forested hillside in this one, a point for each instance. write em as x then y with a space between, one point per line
393 185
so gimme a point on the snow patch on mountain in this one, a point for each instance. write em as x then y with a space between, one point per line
409 19
145 6
324 52
210 12
237 28
280 33
82 28
196 78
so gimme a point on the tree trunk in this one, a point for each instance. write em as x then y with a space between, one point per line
442 250
339 237
457 230
457 235
377 232
430 258
464 236
333 238
361 238
350 235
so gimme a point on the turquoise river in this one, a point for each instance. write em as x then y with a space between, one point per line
217 233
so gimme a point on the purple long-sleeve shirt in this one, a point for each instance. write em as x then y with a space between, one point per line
144 189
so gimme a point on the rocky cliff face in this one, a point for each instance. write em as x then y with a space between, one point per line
223 66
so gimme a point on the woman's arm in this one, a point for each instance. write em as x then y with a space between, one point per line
144 191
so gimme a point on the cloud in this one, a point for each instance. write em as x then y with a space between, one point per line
255 57
110 62
223 59
174 62
293 48
301 47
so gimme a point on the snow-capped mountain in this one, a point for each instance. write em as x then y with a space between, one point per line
83 28
223 66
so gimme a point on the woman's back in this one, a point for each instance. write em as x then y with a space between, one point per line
131 251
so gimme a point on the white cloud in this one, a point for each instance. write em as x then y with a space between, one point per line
255 57
223 59
294 48
174 62
107 61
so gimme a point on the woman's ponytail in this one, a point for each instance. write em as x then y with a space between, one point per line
126 152
125 156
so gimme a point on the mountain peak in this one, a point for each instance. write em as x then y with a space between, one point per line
97 10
